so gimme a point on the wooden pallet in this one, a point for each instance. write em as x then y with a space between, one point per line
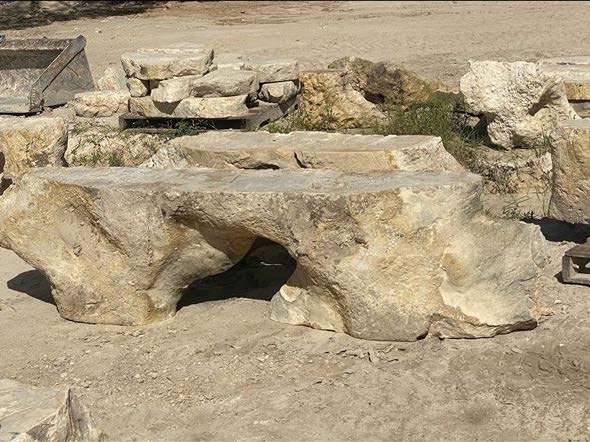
258 116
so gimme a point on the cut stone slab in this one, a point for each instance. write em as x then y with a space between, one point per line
570 152
219 83
192 107
100 103
138 88
230 61
575 72
163 64
522 104
278 92
113 79
275 70
52 414
327 99
384 256
28 143
308 150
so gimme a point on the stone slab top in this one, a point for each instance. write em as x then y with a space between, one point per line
28 123
582 123
249 181
319 141
577 60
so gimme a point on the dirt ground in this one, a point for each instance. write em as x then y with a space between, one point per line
221 369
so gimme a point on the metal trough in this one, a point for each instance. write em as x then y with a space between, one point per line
37 73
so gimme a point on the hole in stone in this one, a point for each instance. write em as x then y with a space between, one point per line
259 275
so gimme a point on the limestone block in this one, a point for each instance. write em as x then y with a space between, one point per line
219 83
278 92
162 64
570 152
310 150
327 100
27 143
522 105
100 103
357 68
230 61
575 72
138 88
385 256
51 414
192 107
146 107
276 70
112 80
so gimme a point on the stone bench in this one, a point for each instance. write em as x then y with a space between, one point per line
307 150
385 256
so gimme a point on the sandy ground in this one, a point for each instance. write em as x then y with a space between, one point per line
221 369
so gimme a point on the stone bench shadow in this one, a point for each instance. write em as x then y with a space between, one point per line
34 284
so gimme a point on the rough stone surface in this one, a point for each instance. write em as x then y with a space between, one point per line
113 79
276 70
575 72
219 83
138 88
570 152
162 64
27 143
522 105
230 61
326 99
357 68
100 146
192 107
389 84
278 92
100 103
309 150
390 256
52 414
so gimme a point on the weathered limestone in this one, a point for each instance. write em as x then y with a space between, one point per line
100 103
229 61
162 64
575 72
309 150
276 70
522 105
138 88
27 143
100 146
570 152
219 83
278 92
193 107
52 414
357 68
112 80
327 100
391 256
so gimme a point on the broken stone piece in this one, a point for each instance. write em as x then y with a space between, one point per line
327 100
138 88
119 245
307 150
522 105
43 414
162 64
575 72
229 61
100 103
276 70
570 152
113 79
192 107
28 143
278 92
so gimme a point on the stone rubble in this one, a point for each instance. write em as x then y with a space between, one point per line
575 72
101 103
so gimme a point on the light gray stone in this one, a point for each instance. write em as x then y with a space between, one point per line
570 152
522 105
113 79
138 88
385 256
308 150
166 63
53 414
230 61
275 70
575 72
219 83
192 107
28 143
278 92
100 103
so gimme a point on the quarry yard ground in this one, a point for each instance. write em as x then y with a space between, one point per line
221 369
